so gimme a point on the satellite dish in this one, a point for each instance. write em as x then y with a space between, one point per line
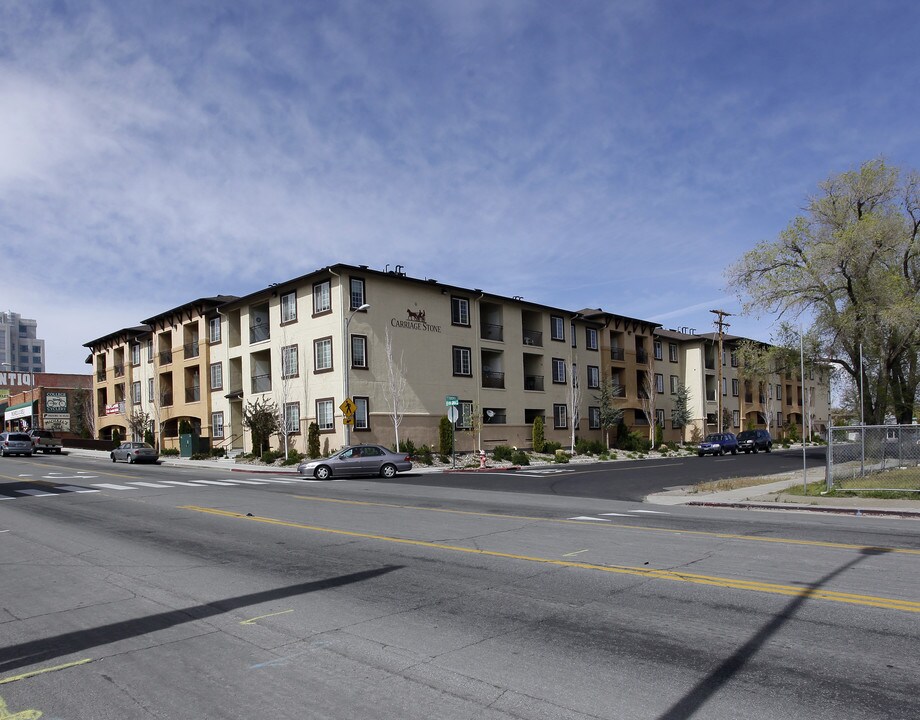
490 413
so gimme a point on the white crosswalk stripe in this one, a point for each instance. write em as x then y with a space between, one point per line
147 484
216 482
113 486
36 493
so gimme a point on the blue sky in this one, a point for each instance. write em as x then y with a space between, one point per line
580 154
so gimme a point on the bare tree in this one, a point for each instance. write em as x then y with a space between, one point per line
573 398
138 421
647 400
395 386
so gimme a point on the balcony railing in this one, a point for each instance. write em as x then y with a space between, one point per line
748 397
618 354
618 391
100 375
166 398
641 355
533 382
710 364
493 379
711 395
258 333
165 357
192 394
261 383
490 331
533 337
190 349
119 370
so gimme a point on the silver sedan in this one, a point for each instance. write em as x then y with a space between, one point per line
357 460
134 452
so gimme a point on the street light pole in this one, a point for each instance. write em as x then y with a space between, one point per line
347 352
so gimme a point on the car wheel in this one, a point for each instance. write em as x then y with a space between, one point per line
769 448
112 455
58 451
322 473
699 454
388 471
754 450
130 459
734 451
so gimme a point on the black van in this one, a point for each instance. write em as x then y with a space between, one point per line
754 440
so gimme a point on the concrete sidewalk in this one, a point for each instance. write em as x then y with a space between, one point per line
772 496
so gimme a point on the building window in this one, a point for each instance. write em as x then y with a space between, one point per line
573 334
734 359
594 418
462 364
136 392
290 361
779 419
217 424
459 311
656 348
675 384
322 298
594 376
736 387
214 330
659 383
591 338
136 354
672 352
558 370
217 376
736 418
150 396
724 387
560 418
556 327
289 307
362 416
150 351
359 351
659 418
325 419
356 295
292 417
322 354
465 416
779 392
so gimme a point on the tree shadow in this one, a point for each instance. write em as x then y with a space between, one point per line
36 651
687 706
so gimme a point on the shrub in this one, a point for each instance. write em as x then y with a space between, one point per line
425 455
185 427
199 456
313 440
603 456
325 447
116 436
293 458
445 436
170 452
792 433
589 447
539 440
502 452
148 437
520 458
633 442
218 452
269 456
408 447
551 446
561 457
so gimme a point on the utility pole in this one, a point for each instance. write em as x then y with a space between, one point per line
721 314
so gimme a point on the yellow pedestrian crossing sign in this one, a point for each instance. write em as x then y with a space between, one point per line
348 420
348 407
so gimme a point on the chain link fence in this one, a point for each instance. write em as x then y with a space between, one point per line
874 457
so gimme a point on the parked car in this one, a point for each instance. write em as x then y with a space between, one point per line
718 444
15 443
357 460
46 441
134 452
754 440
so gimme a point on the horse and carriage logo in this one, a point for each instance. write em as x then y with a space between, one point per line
416 315
415 320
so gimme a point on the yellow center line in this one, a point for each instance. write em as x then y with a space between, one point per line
620 526
4 681
750 585
262 617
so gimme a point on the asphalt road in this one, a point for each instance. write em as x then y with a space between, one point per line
168 595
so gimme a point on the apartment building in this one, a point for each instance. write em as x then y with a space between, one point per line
718 385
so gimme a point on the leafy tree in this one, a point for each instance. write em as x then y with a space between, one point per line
262 419
680 413
852 263
610 414
139 422
538 434
116 435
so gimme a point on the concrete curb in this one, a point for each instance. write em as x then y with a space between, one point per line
830 509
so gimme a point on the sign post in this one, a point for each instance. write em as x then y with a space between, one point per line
453 412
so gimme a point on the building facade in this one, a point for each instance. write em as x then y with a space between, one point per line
61 402
369 355
21 350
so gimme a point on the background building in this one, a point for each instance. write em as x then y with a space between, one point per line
20 348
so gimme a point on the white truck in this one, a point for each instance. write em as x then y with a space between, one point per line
45 441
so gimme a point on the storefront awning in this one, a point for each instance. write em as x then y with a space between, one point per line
15 412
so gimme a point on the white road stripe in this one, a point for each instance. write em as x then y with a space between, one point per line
585 517
650 512
36 493
615 514
147 484
74 488
113 486
215 482
179 482
251 482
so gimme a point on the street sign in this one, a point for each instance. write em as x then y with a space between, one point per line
451 401
453 413
348 420
348 407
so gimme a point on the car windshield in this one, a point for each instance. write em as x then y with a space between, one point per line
713 438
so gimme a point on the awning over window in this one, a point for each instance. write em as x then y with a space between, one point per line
18 411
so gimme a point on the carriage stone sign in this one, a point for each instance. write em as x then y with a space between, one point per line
415 320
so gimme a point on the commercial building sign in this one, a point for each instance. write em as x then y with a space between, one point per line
16 378
60 423
55 403
415 320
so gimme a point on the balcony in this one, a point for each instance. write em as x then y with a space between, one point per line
258 333
493 379
166 398
190 349
261 383
165 357
618 391
641 355
710 363
710 395
533 337
490 331
119 370
192 394
533 382
618 354
100 375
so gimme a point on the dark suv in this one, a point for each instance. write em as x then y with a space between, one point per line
754 440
